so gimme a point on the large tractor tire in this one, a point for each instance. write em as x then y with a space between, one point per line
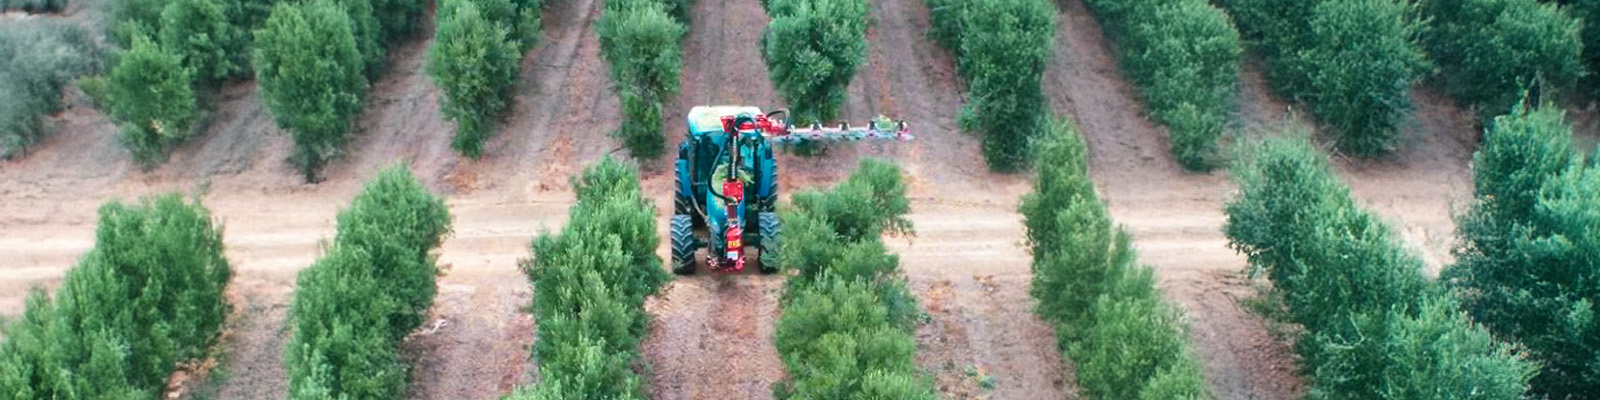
683 245
770 229
767 195
683 191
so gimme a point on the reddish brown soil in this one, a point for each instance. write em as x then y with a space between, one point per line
711 335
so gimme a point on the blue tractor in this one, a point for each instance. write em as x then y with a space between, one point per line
726 191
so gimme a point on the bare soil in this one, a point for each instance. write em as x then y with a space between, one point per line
711 334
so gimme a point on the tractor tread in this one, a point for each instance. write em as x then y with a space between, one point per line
683 245
770 227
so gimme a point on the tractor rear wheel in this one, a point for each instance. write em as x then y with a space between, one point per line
770 229
683 245
682 198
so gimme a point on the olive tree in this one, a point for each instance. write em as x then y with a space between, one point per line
640 41
1488 49
475 63
812 49
310 73
1004 48
152 99
199 32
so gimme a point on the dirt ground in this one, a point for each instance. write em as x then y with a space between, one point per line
711 335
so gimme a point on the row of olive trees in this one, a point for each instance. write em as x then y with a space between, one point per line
1487 49
1375 327
38 58
147 297
1184 55
475 60
590 283
1352 62
314 61
845 331
372 288
1126 341
1528 267
1001 48
639 39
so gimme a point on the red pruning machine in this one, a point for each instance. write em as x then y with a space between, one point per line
727 180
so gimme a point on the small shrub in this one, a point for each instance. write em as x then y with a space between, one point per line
146 296
152 98
199 32
310 73
1358 68
1005 45
1486 49
1134 339
836 341
396 19
132 18
352 308
591 281
812 49
847 318
37 59
475 63
947 18
1528 246
640 41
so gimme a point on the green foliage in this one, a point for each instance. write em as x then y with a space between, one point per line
639 39
132 18
1527 268
1351 61
947 17
147 296
837 342
1135 339
812 49
352 308
1127 342
310 74
34 6
38 57
1358 71
1069 231
152 100
1485 48
1589 12
1005 45
1001 48
199 32
1184 55
846 326
591 281
1375 328
396 18
475 63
